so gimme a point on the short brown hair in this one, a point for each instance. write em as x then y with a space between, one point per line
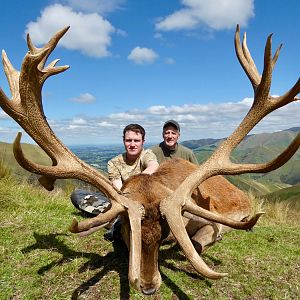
136 128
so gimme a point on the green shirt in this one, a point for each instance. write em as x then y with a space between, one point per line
163 153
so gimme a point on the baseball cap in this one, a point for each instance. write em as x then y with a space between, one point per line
173 123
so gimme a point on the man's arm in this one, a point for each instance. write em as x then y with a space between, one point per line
117 183
149 162
152 166
114 175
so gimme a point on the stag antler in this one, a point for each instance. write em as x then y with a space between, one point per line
26 108
219 163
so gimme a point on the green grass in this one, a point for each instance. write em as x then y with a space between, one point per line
5 171
40 259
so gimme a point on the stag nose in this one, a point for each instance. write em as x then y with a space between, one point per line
149 291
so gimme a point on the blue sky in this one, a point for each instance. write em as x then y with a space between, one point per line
142 61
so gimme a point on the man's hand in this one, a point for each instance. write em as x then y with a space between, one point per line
117 183
151 167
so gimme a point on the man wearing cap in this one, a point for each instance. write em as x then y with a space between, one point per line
170 148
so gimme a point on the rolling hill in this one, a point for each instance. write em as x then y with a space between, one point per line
258 148
292 193
255 148
32 152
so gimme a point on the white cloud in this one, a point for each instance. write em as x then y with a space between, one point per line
79 121
216 14
89 33
208 120
142 55
100 6
121 33
170 61
214 120
158 35
84 98
71 126
126 116
106 124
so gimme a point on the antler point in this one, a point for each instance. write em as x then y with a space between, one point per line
74 226
270 36
18 137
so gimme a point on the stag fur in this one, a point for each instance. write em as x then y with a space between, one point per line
172 205
216 194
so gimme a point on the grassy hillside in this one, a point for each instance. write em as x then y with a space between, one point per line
291 194
265 147
40 259
194 144
258 187
261 148
32 152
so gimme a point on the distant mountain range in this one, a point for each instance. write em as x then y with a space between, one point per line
194 144
255 148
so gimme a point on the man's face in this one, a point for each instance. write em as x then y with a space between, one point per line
133 142
171 136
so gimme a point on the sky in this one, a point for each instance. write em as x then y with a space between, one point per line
142 61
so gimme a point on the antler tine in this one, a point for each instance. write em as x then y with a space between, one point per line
219 163
277 162
263 89
135 213
50 46
30 45
245 58
12 76
276 55
289 96
177 227
27 110
84 227
208 215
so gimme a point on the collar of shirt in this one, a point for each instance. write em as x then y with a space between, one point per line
167 151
